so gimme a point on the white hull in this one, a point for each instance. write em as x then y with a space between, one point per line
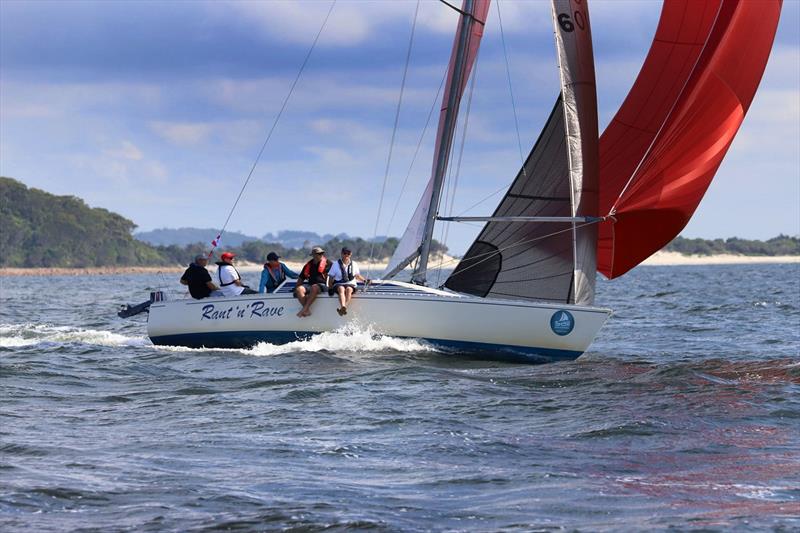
503 329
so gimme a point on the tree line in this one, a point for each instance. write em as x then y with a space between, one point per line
780 245
40 229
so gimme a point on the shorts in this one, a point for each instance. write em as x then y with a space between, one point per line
322 287
351 285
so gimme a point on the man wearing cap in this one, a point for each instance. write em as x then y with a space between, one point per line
344 274
274 273
198 279
312 280
230 282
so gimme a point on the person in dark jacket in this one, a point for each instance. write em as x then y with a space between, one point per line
197 278
274 273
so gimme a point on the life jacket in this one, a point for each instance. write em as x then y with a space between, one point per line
318 274
281 274
219 273
347 271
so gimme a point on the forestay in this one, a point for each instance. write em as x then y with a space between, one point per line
548 261
408 247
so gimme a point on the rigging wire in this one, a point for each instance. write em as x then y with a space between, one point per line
394 134
444 234
216 241
416 152
491 254
510 88
516 118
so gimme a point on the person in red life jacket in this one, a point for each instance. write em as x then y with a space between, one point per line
313 279
230 282
344 274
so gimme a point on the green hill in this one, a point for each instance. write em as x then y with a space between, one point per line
40 229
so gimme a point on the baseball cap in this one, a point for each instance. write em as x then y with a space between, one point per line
346 250
227 256
272 256
317 250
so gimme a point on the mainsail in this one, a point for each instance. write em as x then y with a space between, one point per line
473 17
551 261
663 147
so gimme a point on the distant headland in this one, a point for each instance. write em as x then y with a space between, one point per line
48 234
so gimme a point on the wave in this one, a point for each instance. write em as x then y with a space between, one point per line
21 335
352 338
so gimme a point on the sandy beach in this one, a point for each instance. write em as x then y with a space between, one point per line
657 259
664 258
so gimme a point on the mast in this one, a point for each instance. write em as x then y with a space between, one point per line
446 140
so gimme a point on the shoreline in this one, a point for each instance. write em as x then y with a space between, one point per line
663 258
244 268
658 259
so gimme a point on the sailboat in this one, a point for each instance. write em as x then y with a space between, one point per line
581 203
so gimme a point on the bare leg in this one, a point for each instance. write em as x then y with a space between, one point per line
349 291
309 300
342 304
300 294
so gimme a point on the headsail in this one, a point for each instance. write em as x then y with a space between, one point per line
409 245
548 261
663 147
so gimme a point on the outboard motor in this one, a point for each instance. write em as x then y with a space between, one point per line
128 310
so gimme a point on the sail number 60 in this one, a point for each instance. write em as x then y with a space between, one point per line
567 24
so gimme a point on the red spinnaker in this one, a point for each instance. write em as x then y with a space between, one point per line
663 147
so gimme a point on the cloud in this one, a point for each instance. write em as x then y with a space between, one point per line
177 98
182 133
126 150
350 24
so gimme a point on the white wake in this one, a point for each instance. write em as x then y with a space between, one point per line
351 338
20 335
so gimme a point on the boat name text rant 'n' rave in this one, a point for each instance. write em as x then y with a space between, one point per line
256 309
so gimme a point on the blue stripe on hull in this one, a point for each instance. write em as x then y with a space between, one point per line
246 339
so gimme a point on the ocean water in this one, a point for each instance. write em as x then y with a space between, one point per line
684 414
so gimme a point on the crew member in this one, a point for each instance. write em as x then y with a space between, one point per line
230 282
197 278
274 273
344 274
313 279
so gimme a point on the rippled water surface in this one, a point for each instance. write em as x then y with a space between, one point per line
685 414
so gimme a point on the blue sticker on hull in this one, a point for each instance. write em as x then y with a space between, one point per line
562 322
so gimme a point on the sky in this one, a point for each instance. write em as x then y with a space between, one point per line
157 110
